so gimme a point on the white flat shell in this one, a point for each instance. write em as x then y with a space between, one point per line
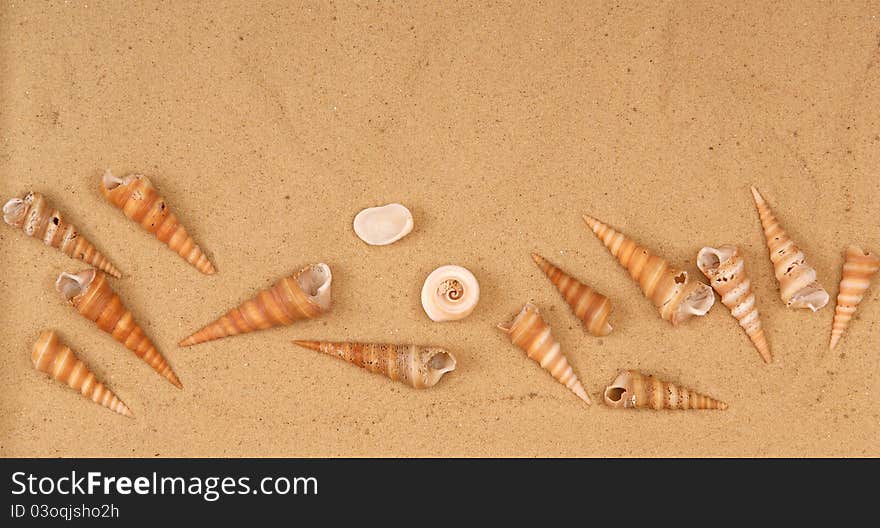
380 226
450 293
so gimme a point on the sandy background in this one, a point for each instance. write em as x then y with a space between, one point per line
268 127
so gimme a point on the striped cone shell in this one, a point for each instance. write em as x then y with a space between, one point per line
36 217
53 357
725 269
672 291
416 366
858 269
140 201
634 390
90 294
798 286
591 307
530 333
303 295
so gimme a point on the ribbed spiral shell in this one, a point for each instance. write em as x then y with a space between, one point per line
672 291
634 390
303 295
858 269
91 295
798 286
416 366
725 269
591 307
36 217
140 201
51 356
530 333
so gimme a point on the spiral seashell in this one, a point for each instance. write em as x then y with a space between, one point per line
670 289
90 294
35 216
380 226
54 358
417 366
450 293
858 269
140 201
530 333
305 294
591 307
725 269
798 286
634 390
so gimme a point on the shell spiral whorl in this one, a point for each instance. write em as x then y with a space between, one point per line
450 293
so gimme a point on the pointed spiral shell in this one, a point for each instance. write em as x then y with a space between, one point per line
53 357
450 293
725 269
37 219
672 291
416 366
858 269
531 334
90 294
591 307
634 390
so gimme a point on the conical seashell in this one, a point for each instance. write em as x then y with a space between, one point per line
54 358
380 226
417 366
530 333
858 269
591 307
305 294
89 292
798 286
33 215
671 290
634 390
726 272
450 293
140 201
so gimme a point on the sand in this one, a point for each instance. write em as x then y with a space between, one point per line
268 128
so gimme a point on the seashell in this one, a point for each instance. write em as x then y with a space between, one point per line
140 201
798 286
590 306
725 269
670 289
530 333
33 215
380 226
417 366
634 390
90 294
858 269
305 294
54 358
450 293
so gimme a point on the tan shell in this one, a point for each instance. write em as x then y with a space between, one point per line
725 269
530 333
450 293
140 201
380 226
858 269
35 216
798 286
53 357
303 295
591 307
634 390
671 290
90 294
416 366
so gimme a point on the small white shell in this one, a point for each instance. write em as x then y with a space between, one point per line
450 293
380 226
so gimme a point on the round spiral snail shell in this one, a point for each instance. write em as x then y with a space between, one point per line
450 293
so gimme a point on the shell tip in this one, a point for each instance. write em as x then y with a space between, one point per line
592 222
582 394
172 377
756 195
834 340
311 345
